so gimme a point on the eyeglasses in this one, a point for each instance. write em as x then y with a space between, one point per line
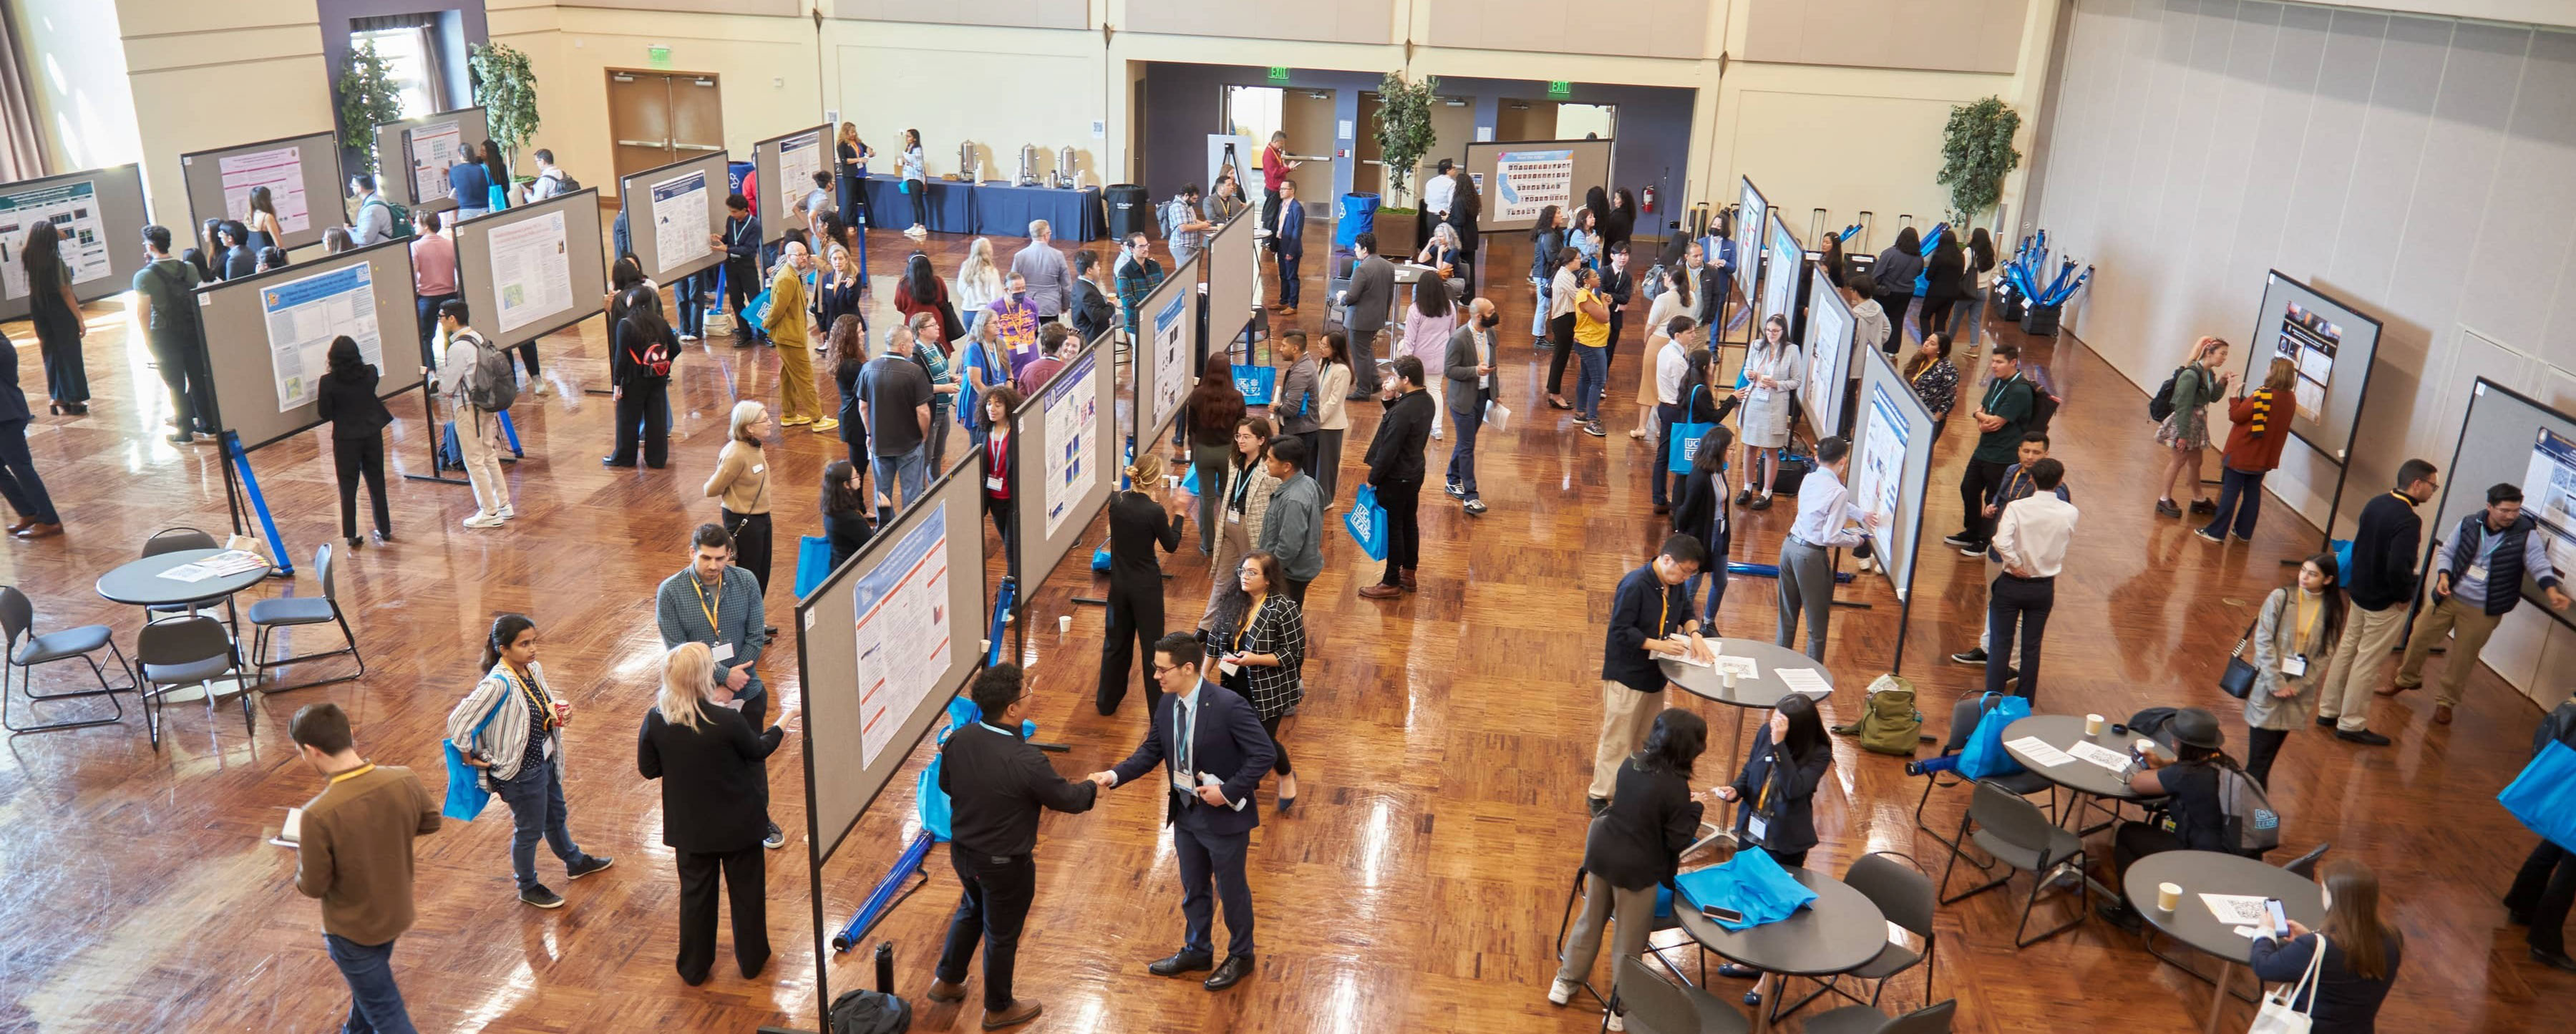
1160 669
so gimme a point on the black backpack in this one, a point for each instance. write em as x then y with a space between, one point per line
2162 405
2043 408
870 1012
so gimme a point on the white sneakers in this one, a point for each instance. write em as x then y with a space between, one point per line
483 519
1561 992
542 389
506 512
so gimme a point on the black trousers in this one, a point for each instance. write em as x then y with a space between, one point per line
643 416
1214 859
183 371
2021 603
2543 890
1271 726
1403 527
744 893
1560 332
1270 212
1979 481
2261 747
351 459
920 195
992 909
1001 512
741 284
425 309
2135 840
750 544
1135 621
1297 591
528 357
1933 316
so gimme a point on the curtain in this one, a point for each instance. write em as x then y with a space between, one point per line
22 150
423 30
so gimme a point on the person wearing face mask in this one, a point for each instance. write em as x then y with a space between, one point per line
1776 798
2361 954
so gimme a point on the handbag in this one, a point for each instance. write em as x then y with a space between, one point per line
2238 679
2543 797
1686 436
813 563
1985 757
1256 382
1367 522
2276 1015
466 797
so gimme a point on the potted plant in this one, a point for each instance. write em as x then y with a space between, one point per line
367 100
506 88
1976 154
1404 135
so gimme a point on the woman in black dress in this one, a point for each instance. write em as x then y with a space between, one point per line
347 399
1139 521
56 313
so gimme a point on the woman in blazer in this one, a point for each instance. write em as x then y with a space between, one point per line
1245 502
347 398
1138 522
837 294
1635 846
741 481
2362 952
1776 797
1263 634
520 750
1772 370
2293 636
1333 414
715 807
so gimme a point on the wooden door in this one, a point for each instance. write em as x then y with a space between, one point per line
697 116
656 118
1307 115
1368 169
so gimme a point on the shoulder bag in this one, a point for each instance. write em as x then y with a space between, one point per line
466 797
2238 679
2276 1016
1686 436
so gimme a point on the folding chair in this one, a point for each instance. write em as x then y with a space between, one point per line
267 616
1863 1019
2014 831
190 651
18 620
1904 894
173 540
1648 1005
1964 715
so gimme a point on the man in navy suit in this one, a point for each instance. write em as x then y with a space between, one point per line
1211 751
1288 245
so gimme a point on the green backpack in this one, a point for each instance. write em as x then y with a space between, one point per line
1889 724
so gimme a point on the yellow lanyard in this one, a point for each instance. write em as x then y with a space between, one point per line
1664 618
353 773
2307 617
528 690
711 612
1767 778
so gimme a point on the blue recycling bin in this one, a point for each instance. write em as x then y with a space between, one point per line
1359 215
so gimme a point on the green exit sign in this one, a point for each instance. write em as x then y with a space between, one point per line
1278 75
1560 88
658 56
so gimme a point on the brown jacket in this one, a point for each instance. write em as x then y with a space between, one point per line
2262 428
354 851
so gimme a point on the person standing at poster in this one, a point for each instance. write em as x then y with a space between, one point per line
1825 515
2381 582
2477 580
164 306
2262 428
1139 521
433 275
469 184
348 401
56 313
1365 308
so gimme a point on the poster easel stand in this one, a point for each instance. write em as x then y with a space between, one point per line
239 480
429 417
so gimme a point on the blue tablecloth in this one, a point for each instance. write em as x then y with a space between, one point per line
952 205
992 208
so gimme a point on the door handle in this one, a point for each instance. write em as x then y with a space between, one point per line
697 147
644 143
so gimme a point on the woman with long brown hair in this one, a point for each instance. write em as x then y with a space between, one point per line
56 313
1934 378
1246 502
1212 409
2262 419
2362 952
853 155
845 353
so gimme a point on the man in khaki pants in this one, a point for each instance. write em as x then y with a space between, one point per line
2477 579
2381 581
1650 618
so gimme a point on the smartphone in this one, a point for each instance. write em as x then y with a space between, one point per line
1721 914
2280 919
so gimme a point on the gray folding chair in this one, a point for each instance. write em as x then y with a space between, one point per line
18 620
2013 831
267 616
2305 866
1904 894
1651 1005
189 651
1862 1019
172 540
1964 715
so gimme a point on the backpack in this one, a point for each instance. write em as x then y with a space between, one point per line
1654 284
1890 725
2249 825
1163 218
401 220
656 360
492 383
870 1012
2043 408
2162 406
564 183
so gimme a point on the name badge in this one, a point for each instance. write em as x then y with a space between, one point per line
1755 829
2475 573
993 484
550 747
722 652
1228 667
1761 394
2295 665
1234 516
1182 783
758 467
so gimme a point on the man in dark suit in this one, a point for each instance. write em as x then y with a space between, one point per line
1365 306
1395 470
1210 750
995 784
1290 247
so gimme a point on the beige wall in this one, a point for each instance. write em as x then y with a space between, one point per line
1940 35
190 64
1329 21
1047 92
1644 28
75 58
1024 14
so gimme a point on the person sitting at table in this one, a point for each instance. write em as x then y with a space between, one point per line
2188 819
2362 954
1635 847
1779 783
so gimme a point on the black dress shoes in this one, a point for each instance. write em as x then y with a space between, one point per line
1237 967
1182 961
2546 958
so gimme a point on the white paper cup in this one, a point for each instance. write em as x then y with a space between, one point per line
2092 725
1171 481
2168 896
1064 624
988 646
1726 678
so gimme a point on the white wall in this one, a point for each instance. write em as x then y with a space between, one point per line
191 66
85 105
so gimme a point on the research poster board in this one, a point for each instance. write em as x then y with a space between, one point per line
1783 259
1233 274
1891 464
2331 343
673 213
268 336
787 165
413 156
1829 350
1170 329
2511 438
1065 459
1520 178
884 643
100 216
302 174
529 271
1752 213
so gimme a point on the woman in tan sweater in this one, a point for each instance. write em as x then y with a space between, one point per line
741 480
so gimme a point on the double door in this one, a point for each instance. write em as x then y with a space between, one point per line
657 118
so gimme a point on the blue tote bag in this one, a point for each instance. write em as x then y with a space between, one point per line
1367 523
813 563
1686 437
1984 756
2543 797
1256 382
466 797
1751 883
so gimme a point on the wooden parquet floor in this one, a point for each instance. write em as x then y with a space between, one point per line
1443 748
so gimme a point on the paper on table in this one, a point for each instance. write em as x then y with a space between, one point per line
2248 932
192 572
2100 755
2237 909
1741 667
1804 680
2038 750
234 561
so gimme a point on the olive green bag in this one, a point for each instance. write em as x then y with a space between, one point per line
1889 722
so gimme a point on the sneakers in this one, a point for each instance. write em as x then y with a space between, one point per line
1562 991
1476 507
1594 429
795 421
591 864
686 338
542 389
541 897
2205 536
826 425
776 839
2166 508
506 513
1973 551
1958 541
1454 491
483 519
1616 1022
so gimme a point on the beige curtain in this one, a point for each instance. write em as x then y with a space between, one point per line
22 149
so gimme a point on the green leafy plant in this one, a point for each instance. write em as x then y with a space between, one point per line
1404 131
1976 154
506 87
367 100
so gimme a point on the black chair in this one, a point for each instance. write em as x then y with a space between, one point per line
1647 1004
267 616
2306 865
18 620
1964 715
1904 894
173 540
189 651
2013 831
1862 1019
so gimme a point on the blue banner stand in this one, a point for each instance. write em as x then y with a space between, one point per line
511 431
888 893
258 504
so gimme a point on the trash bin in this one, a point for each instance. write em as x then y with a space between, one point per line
1129 210
1359 215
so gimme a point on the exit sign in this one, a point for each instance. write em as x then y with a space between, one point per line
658 56
1560 88
1278 75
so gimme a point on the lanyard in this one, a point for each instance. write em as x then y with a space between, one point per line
712 624
1664 620
1769 775
529 690
353 773
2012 489
1996 392
2307 617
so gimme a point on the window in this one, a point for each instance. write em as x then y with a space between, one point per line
406 51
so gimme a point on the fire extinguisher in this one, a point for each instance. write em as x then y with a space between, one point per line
1649 201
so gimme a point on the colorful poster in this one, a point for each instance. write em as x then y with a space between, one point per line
680 220
2549 496
435 148
1829 344
1526 181
73 209
1780 275
281 170
1071 413
531 271
2309 340
1878 466
1171 358
902 628
799 158
305 315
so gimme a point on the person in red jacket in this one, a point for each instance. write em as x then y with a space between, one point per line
2262 419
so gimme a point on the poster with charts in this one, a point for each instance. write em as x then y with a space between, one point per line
1171 358
73 209
1829 344
2549 496
1526 181
799 158
1878 467
902 630
281 170
434 148
304 316
1071 409
2309 340
531 270
680 220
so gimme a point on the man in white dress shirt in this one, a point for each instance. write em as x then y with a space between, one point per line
2031 538
1438 193
1825 518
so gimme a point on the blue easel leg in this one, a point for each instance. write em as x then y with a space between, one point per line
258 502
511 431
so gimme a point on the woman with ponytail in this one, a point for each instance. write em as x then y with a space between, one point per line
520 750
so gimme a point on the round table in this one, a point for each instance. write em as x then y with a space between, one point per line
140 582
1763 690
2084 778
2213 872
1838 932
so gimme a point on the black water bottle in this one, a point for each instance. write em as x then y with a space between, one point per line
885 967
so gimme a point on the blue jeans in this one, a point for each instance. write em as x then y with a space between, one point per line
1716 578
1462 455
1590 377
375 1004
2240 499
903 472
537 810
1968 319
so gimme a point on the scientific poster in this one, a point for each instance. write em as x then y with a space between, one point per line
1527 181
680 220
279 169
799 158
305 315
1072 413
1780 275
2549 496
531 273
1749 213
433 149
1171 358
1878 468
2309 340
1829 333
73 209
902 630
